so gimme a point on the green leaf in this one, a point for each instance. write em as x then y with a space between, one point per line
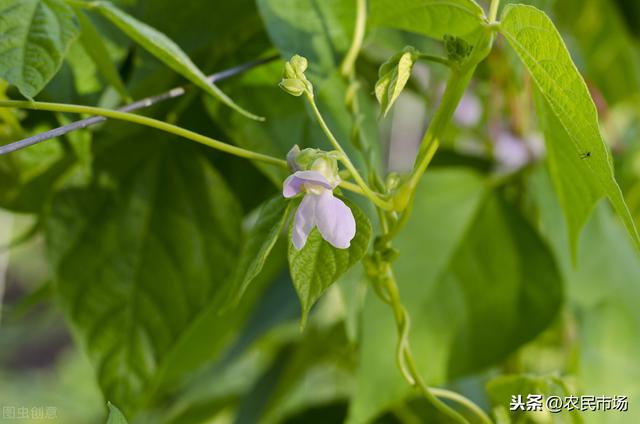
29 177
319 31
140 257
115 416
318 264
34 38
320 361
258 244
163 48
476 279
393 76
434 18
84 70
602 290
577 187
540 47
96 49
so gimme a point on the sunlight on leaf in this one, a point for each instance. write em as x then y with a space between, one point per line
434 18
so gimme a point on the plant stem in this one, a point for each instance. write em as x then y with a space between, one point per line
436 59
373 196
456 397
149 122
404 355
162 126
381 272
358 36
493 10
139 104
456 87
352 187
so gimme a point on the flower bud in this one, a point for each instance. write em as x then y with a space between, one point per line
295 87
327 165
299 64
301 160
457 48
294 81
314 160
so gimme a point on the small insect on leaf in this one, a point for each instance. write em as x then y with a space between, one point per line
585 155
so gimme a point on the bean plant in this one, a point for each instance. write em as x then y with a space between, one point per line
174 236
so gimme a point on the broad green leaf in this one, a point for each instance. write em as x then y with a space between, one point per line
502 388
159 45
540 47
94 46
318 264
477 280
577 187
258 244
393 76
217 337
434 18
252 351
34 38
602 290
115 416
140 257
319 361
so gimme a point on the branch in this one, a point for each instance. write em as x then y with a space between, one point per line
140 104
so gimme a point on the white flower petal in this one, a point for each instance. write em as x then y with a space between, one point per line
304 221
334 220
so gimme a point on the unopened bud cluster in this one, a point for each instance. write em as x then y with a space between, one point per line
294 80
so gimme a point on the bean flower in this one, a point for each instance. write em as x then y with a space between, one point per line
315 175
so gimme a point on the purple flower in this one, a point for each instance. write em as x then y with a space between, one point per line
319 208
469 111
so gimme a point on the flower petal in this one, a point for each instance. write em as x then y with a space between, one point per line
293 184
334 220
291 158
304 220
